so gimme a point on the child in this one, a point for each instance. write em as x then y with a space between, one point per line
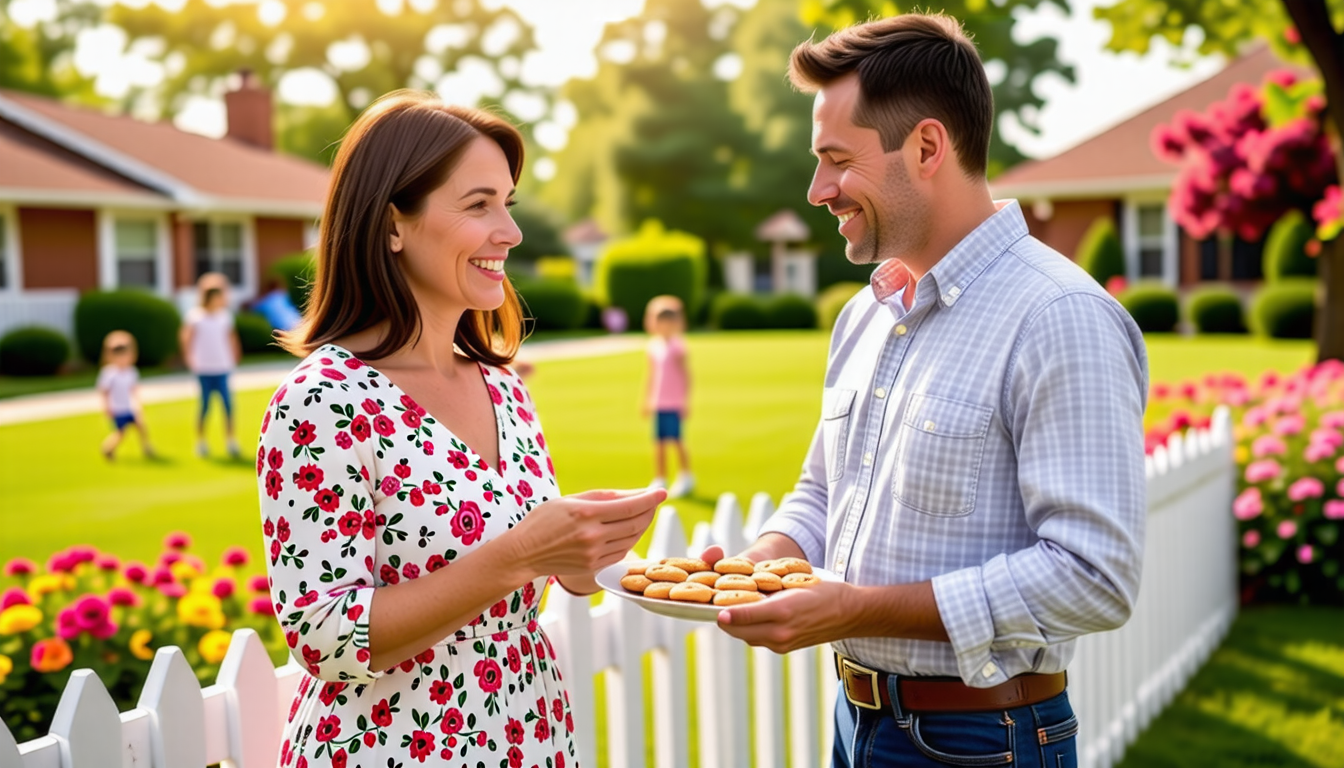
212 350
669 388
117 382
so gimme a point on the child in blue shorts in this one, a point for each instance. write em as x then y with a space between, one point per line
117 381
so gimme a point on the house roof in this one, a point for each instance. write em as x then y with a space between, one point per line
583 233
1119 159
783 226
191 170
37 171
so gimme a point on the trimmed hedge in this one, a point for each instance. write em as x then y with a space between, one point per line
790 311
151 320
296 270
1286 248
554 304
738 312
654 262
254 332
1286 309
834 299
1099 251
33 350
1215 309
1154 306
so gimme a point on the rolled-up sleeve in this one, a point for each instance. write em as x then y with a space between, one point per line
1074 401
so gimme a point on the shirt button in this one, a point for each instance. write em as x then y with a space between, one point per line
928 426
989 670
947 298
901 330
954 291
868 459
880 392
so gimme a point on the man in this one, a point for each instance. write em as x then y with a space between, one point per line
977 476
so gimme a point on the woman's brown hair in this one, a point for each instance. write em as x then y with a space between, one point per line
398 151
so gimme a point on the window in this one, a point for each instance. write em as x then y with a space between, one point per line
137 251
219 248
1152 223
1248 259
1208 258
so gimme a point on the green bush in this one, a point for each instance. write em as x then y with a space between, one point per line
652 263
834 299
555 304
1215 309
33 351
790 311
1286 309
151 320
1153 306
296 271
1100 253
254 332
738 312
1286 248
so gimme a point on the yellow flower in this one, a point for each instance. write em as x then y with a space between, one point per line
199 609
140 644
19 618
6 666
183 571
1241 454
214 645
45 585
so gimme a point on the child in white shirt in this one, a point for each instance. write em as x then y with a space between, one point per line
117 381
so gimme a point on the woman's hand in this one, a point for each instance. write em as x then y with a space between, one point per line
581 534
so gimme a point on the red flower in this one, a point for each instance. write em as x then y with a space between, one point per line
332 373
327 500
275 550
558 709
468 523
261 459
382 714
541 441
275 458
434 563
409 404
410 571
411 419
343 440
529 593
370 528
389 574
311 655
274 484
494 394
370 407
524 489
282 530
452 722
515 660
349 523
330 691
525 415
488 675
543 730
309 477
499 609
458 459
422 745
425 657
383 425
369 738
328 728
440 691
304 433
359 427
354 363
515 757
531 465
338 759
518 394
402 469
390 485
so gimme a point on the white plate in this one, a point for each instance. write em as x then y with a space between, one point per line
609 579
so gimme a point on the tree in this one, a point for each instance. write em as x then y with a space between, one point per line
1299 29
38 57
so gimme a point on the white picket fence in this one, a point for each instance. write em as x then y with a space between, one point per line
53 308
743 706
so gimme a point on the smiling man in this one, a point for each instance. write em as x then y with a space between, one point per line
977 474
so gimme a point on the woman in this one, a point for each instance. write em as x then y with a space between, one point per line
408 501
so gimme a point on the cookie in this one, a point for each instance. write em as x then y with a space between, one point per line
767 581
659 590
737 597
734 565
636 567
800 580
794 565
735 581
666 573
635 582
687 564
690 592
704 577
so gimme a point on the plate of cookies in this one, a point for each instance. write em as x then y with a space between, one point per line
692 589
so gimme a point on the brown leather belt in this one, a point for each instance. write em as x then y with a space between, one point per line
867 688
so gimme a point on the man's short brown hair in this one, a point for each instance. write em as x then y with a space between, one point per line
910 67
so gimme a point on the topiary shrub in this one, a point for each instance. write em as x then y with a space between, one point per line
790 311
1286 309
554 304
1153 306
33 351
738 312
151 320
1285 253
834 299
296 271
1099 251
254 332
1215 309
652 263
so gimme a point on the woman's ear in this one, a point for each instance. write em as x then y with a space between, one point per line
393 216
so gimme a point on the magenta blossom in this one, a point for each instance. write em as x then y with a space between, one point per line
123 597
135 572
259 584
1250 539
1248 504
235 557
1334 509
1254 417
1287 529
83 553
1305 554
67 624
177 540
1332 420
1317 452
91 611
108 562
1260 471
1290 425
262 607
20 566
1306 488
1268 445
14 596
223 588
173 590
1330 437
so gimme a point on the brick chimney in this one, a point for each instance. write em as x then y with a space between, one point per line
249 111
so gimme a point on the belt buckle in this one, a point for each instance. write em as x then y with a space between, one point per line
851 667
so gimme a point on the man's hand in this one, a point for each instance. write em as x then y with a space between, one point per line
795 618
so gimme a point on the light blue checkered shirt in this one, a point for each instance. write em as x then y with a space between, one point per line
989 439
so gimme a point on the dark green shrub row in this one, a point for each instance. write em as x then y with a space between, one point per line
33 351
1215 309
254 332
1285 309
739 312
153 322
1099 251
296 271
654 262
1153 306
553 303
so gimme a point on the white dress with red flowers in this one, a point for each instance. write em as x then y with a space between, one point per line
360 488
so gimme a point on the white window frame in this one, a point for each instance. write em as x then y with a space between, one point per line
1170 237
107 247
13 263
247 225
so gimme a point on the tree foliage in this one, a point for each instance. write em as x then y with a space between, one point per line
40 58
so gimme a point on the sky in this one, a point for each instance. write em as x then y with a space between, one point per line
1109 87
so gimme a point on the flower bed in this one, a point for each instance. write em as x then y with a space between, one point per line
1290 493
87 609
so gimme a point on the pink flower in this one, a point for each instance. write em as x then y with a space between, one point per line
390 485
14 596
1317 452
1327 436
1250 539
1254 417
1287 529
108 562
1289 425
135 572
468 523
262 607
1305 554
223 588
235 556
91 611
173 590
1306 488
121 596
259 584
1334 509
1259 471
1268 445
67 624
20 566
1248 504
177 540
1332 420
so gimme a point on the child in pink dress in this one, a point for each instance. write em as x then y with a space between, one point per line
668 388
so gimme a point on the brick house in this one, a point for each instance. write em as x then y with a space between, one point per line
89 200
1115 174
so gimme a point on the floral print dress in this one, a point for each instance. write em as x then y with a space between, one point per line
361 488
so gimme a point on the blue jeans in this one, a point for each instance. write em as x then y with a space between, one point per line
212 384
1041 735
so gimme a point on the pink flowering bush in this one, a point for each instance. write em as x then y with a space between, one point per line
87 609
1289 507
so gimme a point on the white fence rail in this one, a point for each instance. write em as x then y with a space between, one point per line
51 308
747 701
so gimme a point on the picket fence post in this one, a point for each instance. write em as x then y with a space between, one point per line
671 734
252 703
86 724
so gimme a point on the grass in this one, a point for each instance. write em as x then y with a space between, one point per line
1272 695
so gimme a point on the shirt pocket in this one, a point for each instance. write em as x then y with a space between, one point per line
836 404
939 449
